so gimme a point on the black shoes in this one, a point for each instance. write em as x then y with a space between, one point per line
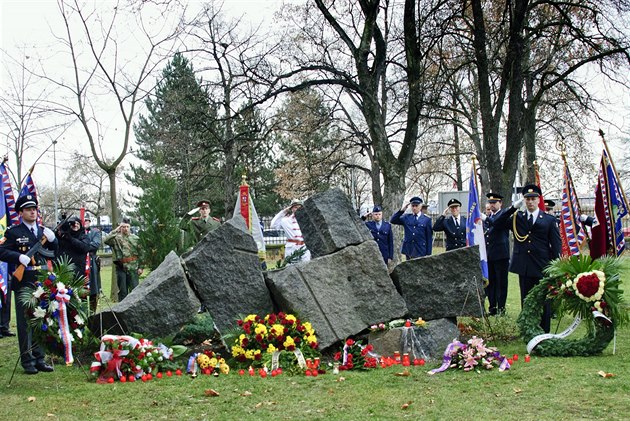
30 370
6 333
44 367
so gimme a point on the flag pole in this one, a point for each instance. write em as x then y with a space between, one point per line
601 134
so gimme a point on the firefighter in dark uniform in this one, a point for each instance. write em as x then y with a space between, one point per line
536 243
382 233
453 226
498 251
418 239
17 242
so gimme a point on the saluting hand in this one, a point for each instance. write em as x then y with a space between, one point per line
446 211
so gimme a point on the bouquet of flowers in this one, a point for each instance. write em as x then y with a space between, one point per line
355 355
55 309
207 362
127 358
579 285
472 355
258 338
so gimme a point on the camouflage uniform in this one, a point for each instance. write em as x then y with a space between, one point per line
125 255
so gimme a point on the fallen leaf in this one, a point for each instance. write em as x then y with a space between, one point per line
516 390
31 398
258 405
405 405
404 373
246 393
50 415
605 375
341 379
155 403
431 401
211 392
498 395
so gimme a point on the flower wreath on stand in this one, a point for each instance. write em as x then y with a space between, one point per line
260 342
585 288
56 310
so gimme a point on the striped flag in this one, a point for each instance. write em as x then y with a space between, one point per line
572 229
610 207
541 203
9 198
28 187
474 224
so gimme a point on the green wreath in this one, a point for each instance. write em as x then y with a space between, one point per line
573 286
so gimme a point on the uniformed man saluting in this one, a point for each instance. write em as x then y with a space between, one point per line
199 226
454 226
382 233
17 242
418 240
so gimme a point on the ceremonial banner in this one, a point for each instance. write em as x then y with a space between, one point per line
572 229
474 224
4 270
541 203
28 187
9 199
245 207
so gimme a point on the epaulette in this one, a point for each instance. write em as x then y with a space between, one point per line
13 226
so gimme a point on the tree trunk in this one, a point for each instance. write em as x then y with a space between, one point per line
111 174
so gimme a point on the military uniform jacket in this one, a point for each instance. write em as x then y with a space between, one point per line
384 237
455 236
125 248
497 238
534 247
18 239
418 240
200 227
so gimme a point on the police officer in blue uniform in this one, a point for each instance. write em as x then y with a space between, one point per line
498 250
382 233
536 243
17 241
453 225
418 239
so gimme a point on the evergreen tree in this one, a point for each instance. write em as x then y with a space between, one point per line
160 233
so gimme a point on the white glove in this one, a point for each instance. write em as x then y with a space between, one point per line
484 216
583 218
50 235
25 260
192 211
518 203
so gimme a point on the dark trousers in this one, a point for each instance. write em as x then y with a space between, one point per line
127 280
30 352
497 288
5 311
526 284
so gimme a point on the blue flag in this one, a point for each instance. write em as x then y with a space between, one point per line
474 224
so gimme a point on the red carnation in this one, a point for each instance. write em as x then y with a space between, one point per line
337 356
259 337
588 285
48 283
239 322
257 357
244 342
281 315
350 342
272 318
297 340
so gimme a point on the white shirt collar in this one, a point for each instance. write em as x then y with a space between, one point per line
534 214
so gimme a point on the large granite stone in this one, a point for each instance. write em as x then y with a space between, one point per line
225 271
158 307
449 284
427 342
329 223
341 294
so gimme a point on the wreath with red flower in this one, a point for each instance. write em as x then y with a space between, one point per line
578 286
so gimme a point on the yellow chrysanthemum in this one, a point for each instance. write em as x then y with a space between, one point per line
277 329
288 342
225 369
291 318
307 326
311 339
261 329
237 350
249 354
271 349
250 318
203 360
213 362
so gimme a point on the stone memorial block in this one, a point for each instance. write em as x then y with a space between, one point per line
162 304
449 284
341 294
225 271
329 223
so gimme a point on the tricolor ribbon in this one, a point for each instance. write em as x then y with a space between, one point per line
62 298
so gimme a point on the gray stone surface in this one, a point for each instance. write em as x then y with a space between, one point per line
341 294
329 223
444 285
427 342
158 307
225 271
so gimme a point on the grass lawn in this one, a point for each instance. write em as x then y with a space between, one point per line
544 389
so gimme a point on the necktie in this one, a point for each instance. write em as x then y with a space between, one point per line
530 220
456 222
378 226
33 231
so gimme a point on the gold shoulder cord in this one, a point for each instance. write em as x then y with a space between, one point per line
517 236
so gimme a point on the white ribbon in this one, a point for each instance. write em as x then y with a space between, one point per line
540 338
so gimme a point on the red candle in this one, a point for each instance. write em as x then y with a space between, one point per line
405 361
511 361
422 361
515 357
527 358
408 323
